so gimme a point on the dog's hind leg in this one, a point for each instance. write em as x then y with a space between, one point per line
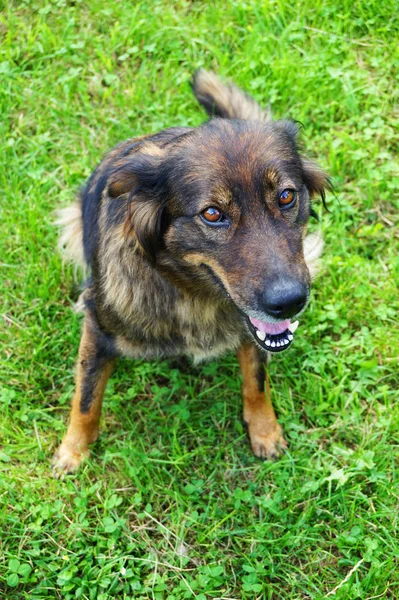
265 433
93 370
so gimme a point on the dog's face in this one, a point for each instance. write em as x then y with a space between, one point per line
228 206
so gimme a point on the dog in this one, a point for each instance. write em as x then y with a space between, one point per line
194 240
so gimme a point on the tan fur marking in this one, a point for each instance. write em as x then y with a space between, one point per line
83 428
222 195
264 431
143 213
121 184
271 177
152 149
199 259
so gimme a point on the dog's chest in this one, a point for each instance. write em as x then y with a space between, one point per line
207 329
193 327
152 318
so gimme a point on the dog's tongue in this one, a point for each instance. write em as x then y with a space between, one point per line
271 328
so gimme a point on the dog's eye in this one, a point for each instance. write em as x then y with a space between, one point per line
212 215
287 199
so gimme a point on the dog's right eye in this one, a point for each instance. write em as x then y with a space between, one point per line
287 199
213 216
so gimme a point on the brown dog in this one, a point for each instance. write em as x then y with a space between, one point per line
194 242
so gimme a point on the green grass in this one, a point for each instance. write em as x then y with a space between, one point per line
172 504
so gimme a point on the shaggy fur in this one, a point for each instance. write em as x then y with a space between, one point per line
163 281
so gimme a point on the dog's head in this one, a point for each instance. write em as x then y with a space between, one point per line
224 210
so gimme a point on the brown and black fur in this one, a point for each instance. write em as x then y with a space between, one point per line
161 281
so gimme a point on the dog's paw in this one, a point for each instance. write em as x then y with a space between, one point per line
67 460
267 444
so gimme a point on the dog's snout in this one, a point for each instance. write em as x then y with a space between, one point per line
284 299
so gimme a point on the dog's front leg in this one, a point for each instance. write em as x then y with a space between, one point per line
93 370
265 433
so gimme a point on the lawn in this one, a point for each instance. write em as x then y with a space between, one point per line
172 503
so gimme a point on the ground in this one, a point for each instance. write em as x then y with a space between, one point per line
172 503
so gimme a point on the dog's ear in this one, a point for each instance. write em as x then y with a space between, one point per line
144 178
316 180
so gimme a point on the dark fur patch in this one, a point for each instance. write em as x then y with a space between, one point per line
91 198
260 371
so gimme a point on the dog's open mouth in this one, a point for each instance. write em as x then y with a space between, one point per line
273 337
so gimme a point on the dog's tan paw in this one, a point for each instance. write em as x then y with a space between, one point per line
66 460
269 444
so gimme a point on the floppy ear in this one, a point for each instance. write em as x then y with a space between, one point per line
316 180
144 178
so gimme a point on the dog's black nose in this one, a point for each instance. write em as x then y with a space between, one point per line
284 298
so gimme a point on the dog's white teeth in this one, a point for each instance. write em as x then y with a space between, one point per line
293 327
277 342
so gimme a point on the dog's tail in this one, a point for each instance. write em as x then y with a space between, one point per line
70 242
225 99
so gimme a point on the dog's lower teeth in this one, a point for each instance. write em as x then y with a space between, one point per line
275 340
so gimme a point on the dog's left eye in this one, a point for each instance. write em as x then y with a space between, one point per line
287 199
213 216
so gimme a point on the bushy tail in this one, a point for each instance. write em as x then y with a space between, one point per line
70 242
225 99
